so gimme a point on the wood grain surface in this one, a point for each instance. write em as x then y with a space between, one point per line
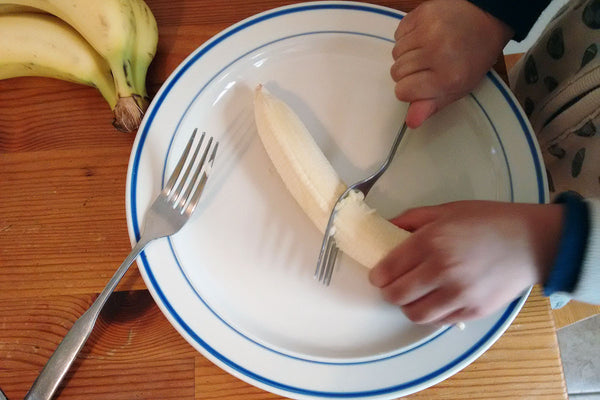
63 232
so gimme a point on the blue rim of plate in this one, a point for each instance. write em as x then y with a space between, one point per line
478 346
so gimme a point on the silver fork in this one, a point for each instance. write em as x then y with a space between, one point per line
166 216
329 250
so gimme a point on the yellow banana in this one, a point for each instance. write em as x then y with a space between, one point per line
109 26
15 8
43 45
359 231
145 44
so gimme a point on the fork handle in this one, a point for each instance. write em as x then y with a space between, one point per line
58 364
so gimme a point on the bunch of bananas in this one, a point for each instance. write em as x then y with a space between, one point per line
106 44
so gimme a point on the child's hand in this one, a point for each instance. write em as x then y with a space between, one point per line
467 259
443 50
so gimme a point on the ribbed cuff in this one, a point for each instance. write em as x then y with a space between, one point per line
588 283
572 246
520 15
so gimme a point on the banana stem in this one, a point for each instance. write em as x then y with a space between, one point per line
128 114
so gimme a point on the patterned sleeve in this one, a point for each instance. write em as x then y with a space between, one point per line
520 15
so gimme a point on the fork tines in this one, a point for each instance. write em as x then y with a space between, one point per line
327 261
185 189
329 250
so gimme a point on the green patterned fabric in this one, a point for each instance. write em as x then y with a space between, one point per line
558 84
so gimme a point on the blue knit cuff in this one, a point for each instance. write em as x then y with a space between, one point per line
571 249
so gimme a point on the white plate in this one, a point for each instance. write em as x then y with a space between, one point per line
237 282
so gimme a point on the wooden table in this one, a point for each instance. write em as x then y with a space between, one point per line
63 232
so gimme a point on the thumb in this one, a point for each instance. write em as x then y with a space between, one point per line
416 218
419 111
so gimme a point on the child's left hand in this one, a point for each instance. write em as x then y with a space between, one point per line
467 259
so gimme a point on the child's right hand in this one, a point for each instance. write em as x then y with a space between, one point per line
443 49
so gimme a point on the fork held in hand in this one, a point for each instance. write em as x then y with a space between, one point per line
167 215
329 250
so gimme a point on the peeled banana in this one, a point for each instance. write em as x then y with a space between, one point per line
359 231
29 44
123 32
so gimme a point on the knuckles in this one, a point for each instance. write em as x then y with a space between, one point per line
400 92
394 72
457 78
396 51
396 295
440 270
418 315
381 275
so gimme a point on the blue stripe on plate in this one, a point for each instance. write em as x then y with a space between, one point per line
542 197
510 180
177 318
